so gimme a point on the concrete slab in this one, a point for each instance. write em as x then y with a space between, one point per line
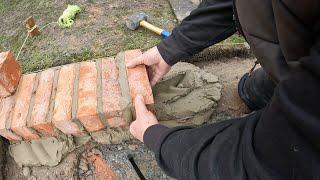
182 8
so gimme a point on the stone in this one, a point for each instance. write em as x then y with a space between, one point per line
26 171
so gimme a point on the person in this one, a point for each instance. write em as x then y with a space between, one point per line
281 139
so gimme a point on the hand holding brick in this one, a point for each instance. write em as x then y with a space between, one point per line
138 79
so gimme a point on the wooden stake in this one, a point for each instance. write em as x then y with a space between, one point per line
32 27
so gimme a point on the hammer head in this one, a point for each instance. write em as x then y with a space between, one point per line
133 21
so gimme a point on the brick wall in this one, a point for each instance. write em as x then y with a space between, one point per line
72 99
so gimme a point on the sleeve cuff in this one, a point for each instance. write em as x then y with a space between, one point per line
153 135
170 51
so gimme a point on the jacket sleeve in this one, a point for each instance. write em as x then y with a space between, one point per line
295 104
210 23
177 149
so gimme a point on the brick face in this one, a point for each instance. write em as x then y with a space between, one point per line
39 120
87 98
6 106
9 74
63 102
21 108
101 169
111 93
138 79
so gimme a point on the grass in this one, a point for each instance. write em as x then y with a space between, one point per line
99 31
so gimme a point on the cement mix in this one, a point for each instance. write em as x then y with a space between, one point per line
44 151
187 95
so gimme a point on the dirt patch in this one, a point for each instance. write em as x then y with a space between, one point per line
99 30
229 72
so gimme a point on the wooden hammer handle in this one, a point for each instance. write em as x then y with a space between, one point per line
151 27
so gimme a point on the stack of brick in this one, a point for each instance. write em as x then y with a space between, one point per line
74 99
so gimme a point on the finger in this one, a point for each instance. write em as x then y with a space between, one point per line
155 78
149 71
132 128
136 61
140 106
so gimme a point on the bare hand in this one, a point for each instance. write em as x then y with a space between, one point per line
144 119
157 67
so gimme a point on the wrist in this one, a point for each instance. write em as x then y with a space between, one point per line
152 135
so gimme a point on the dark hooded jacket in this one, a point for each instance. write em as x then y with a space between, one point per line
281 141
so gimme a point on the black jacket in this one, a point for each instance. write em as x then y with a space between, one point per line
282 141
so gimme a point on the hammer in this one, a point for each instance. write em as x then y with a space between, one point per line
140 19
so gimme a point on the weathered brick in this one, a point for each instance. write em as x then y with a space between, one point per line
87 98
6 106
39 120
101 168
9 74
138 79
111 93
62 117
21 108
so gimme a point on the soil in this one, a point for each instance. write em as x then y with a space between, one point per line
98 31
229 72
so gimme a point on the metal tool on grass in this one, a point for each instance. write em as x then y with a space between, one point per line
140 19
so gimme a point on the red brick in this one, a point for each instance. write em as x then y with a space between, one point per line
62 117
102 171
39 120
111 93
87 98
138 79
6 106
117 122
21 108
9 74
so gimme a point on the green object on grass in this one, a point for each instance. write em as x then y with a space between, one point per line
68 15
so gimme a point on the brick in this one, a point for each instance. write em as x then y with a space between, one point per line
87 98
39 115
101 169
6 106
21 108
138 79
9 74
111 93
62 117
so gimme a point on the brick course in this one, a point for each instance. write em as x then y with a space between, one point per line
39 117
74 99
62 113
21 108
138 79
6 106
87 99
111 93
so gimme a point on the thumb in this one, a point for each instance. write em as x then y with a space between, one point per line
134 62
140 106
